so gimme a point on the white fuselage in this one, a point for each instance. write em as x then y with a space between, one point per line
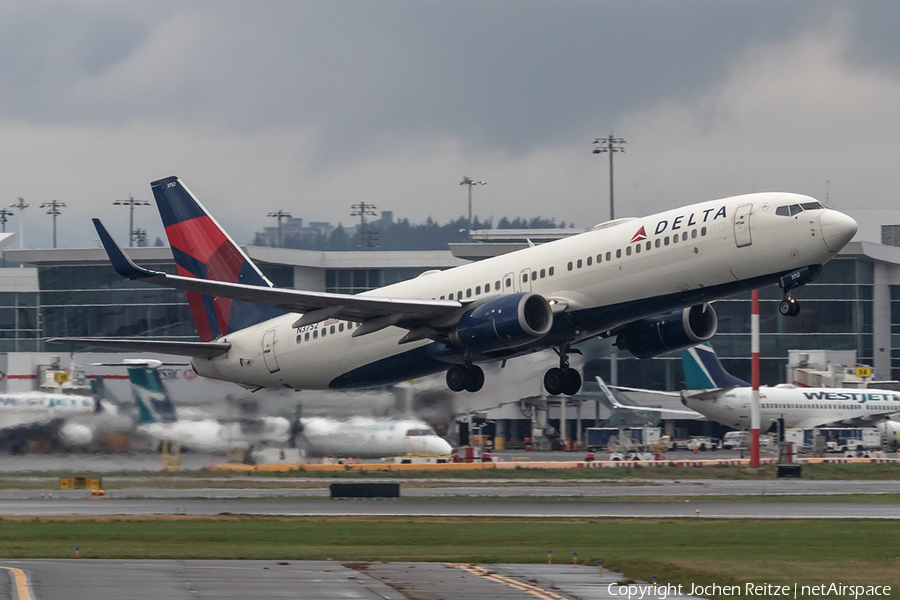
212 436
799 407
619 272
366 437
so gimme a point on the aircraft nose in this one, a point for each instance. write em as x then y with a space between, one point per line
439 446
837 229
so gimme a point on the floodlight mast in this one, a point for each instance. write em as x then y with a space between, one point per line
131 203
469 182
280 214
612 145
54 206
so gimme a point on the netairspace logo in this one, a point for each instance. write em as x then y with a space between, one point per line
765 590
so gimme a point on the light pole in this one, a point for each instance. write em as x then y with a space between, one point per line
21 206
130 203
361 210
470 183
609 144
279 214
54 206
5 214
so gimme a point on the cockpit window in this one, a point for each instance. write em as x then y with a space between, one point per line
793 209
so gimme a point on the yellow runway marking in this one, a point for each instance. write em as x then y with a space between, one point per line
22 588
518 585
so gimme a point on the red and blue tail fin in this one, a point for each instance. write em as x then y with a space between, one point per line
203 250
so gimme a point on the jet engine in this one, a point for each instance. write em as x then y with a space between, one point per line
676 330
506 322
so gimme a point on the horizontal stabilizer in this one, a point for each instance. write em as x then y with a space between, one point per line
194 349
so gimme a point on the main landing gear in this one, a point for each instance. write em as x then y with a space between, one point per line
465 377
562 379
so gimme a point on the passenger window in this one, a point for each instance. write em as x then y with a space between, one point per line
487 288
533 275
550 271
316 334
657 242
331 330
469 293
693 233
442 298
608 256
497 285
684 236
570 266
306 336
543 273
703 230
451 296
675 239
599 258
508 282
637 248
477 289
666 241
299 338
628 251
578 263
619 253
341 327
649 244
590 260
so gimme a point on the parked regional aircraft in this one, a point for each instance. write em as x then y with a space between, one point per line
366 437
646 281
157 418
75 420
726 399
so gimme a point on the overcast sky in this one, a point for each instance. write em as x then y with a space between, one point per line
310 107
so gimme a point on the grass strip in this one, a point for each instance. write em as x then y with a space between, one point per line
679 551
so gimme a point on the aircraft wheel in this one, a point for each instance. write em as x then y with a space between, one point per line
555 381
789 308
572 383
474 379
456 378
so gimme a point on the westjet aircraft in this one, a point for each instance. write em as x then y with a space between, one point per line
647 281
722 397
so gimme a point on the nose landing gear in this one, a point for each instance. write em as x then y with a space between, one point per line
789 307
563 379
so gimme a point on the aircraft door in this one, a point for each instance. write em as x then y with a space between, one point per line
742 225
268 351
509 283
525 280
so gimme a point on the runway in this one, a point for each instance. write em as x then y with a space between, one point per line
319 580
562 508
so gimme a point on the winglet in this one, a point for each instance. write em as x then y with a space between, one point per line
120 262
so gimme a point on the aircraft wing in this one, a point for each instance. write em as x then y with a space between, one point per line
611 401
198 349
644 391
316 306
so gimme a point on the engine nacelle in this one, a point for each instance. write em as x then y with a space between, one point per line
676 330
506 322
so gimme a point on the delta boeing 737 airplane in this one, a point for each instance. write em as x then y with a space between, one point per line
646 281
